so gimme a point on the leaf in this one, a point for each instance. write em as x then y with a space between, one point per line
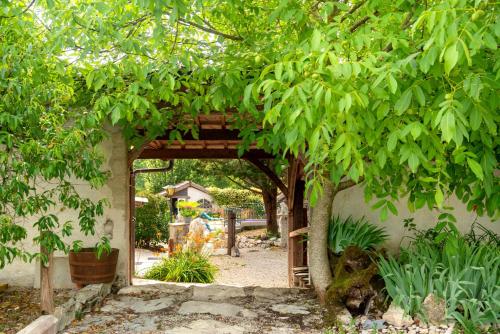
404 102
419 95
115 115
439 197
466 52
450 58
447 125
247 94
392 141
278 71
476 168
316 40
393 84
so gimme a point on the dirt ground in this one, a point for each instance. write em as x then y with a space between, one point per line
255 267
20 306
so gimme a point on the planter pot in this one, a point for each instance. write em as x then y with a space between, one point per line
187 220
85 268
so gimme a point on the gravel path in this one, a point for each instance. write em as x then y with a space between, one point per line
255 267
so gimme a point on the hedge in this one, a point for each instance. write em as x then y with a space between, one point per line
229 197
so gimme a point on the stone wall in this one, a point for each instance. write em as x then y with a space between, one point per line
116 191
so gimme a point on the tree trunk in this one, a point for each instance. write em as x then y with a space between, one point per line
46 288
271 206
319 266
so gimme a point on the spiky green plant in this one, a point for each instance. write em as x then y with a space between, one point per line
465 274
187 267
360 232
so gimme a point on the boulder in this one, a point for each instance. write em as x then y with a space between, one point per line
343 316
397 317
435 309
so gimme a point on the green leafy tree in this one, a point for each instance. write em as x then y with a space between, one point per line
46 145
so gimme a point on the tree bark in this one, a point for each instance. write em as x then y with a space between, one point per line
319 267
46 287
270 197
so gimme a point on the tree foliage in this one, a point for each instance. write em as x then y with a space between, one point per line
151 222
399 95
45 146
183 170
238 198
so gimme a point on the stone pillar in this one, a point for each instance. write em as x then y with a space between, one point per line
283 224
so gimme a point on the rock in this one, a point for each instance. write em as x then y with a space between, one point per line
217 292
343 316
207 327
138 305
435 309
266 294
374 324
223 309
290 309
166 288
396 316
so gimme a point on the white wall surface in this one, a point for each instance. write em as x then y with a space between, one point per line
195 195
351 202
116 191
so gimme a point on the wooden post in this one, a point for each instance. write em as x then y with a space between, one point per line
46 287
231 231
296 187
131 226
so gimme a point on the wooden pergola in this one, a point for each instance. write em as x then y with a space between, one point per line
217 139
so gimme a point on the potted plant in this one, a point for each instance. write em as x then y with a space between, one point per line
188 210
93 265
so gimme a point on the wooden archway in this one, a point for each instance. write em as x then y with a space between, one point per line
217 140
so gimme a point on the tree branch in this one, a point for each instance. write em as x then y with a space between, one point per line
243 186
348 184
210 30
24 11
272 176
359 24
352 10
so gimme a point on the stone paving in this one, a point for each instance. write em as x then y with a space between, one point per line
169 308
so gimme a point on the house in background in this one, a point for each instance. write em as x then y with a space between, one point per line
188 191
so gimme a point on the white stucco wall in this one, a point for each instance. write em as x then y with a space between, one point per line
195 195
116 191
351 202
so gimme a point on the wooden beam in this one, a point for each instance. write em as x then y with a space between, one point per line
206 134
166 154
270 174
299 232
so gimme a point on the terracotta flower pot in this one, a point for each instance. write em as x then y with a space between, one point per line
86 268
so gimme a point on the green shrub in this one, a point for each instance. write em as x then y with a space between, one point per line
347 232
187 267
239 198
151 222
465 274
